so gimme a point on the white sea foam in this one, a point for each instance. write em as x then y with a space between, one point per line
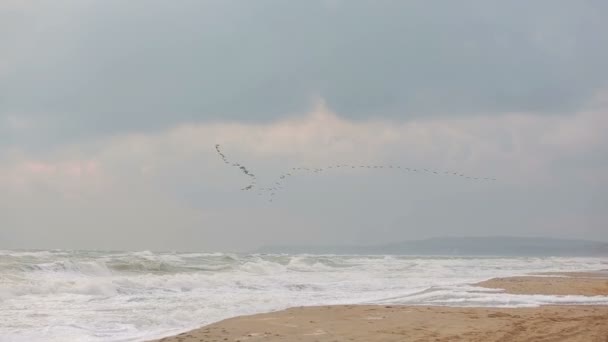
133 296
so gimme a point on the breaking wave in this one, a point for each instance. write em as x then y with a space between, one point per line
131 296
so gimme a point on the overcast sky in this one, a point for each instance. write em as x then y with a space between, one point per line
110 110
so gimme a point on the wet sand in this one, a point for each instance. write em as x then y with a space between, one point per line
576 283
379 323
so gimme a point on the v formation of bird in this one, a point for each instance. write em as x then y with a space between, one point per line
279 183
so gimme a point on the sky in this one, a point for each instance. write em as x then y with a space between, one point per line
110 112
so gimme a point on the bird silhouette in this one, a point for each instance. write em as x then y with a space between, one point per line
279 183
238 165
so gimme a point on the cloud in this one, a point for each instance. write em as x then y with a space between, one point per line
169 190
82 69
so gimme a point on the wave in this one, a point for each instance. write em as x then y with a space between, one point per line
467 295
122 296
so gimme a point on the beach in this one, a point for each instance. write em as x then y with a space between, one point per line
433 323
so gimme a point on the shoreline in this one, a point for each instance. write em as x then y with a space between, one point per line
432 323
552 283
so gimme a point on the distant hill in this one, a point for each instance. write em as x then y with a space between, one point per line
489 246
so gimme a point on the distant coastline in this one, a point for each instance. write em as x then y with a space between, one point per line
460 246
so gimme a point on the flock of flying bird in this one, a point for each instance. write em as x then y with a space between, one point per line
278 184
241 167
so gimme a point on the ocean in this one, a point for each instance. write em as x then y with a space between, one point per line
60 295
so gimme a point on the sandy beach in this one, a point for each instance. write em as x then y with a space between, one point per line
423 323
561 284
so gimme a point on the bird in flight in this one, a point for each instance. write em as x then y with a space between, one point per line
280 182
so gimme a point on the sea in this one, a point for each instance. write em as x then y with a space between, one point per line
63 295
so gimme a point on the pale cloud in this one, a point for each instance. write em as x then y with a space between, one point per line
511 146
140 184
63 179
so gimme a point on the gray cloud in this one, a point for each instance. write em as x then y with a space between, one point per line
83 69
